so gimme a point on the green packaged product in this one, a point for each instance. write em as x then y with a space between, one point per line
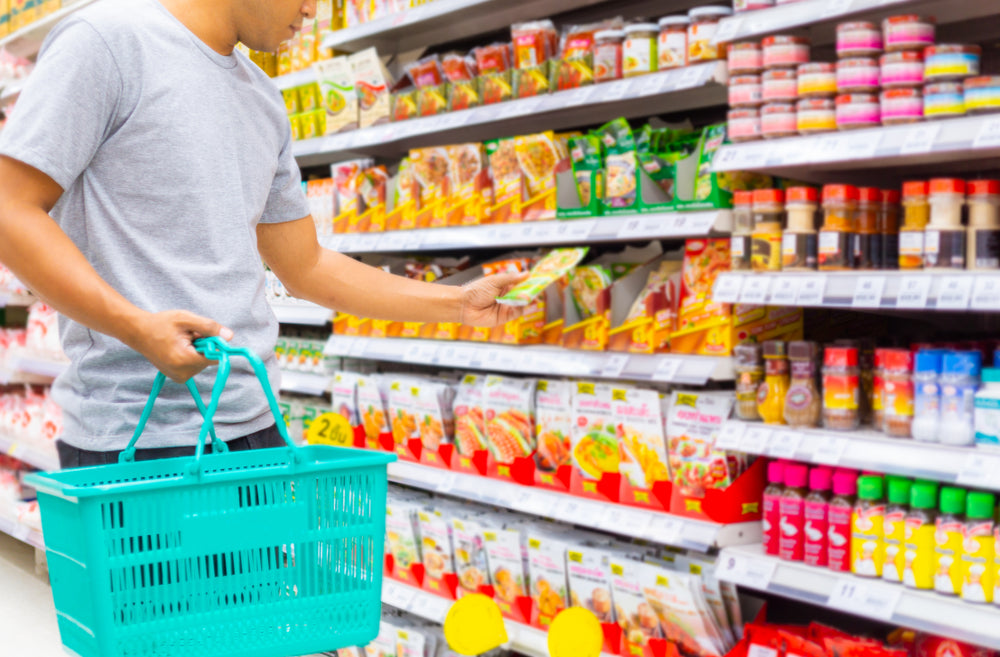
585 285
619 163
585 154
549 269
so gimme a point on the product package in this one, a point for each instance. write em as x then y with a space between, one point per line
401 535
594 436
554 421
436 548
638 419
547 574
470 554
587 171
548 270
372 394
344 396
644 326
470 420
507 181
540 157
339 101
510 417
469 188
704 327
504 554
431 168
588 570
371 83
693 422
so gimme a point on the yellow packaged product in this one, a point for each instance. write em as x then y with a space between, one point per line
594 438
507 181
337 96
468 179
639 421
539 158
547 574
704 327
308 97
284 57
4 18
296 122
431 171
403 214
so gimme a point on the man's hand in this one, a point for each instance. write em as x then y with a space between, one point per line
479 300
166 340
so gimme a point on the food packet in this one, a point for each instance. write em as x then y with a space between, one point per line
426 72
553 407
344 396
372 394
470 554
702 567
711 141
436 545
403 409
510 417
507 179
638 419
588 167
402 539
384 645
539 158
659 169
411 642
547 572
504 554
372 186
422 409
594 436
556 264
619 164
586 283
633 613
588 571
495 58
459 68
430 169
693 423
466 174
337 96
535 43
684 614
470 420
663 281
346 180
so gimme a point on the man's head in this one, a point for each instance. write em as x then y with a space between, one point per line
264 24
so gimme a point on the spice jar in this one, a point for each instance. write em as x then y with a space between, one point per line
983 251
859 39
639 51
982 95
771 394
701 32
907 32
608 55
841 388
898 392
672 50
798 243
867 245
745 57
857 75
739 241
784 51
743 125
888 229
944 237
902 70
815 115
749 368
901 106
944 100
857 111
780 86
803 405
778 120
817 80
836 236
746 91
878 389
768 220
949 62
916 214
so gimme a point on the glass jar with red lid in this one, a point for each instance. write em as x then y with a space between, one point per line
897 392
798 245
836 236
867 245
841 388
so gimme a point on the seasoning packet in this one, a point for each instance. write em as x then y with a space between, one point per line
684 614
535 43
436 546
588 570
504 548
467 177
711 141
507 180
372 403
337 95
459 68
586 283
510 417
371 83
470 554
619 164
547 573
693 422
588 167
594 436
470 420
703 569
539 157
660 282
401 532
635 616
495 58
553 408
344 396
384 644
426 72
429 408
638 418
556 264
403 409
658 168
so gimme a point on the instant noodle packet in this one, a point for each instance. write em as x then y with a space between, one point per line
556 264
621 176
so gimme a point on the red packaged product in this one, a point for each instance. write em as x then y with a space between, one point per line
426 72
459 68
495 58
534 43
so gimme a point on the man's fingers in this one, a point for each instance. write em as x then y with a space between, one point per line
508 280
205 327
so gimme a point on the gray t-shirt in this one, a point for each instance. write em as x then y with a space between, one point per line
169 154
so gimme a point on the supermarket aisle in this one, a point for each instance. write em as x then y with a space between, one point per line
27 617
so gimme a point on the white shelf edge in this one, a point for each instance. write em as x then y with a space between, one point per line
301 313
305 383
296 79
21 532
28 452
746 25
21 360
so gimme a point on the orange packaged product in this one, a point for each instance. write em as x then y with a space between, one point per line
404 199
459 68
496 58
704 327
535 43
430 169
426 72
540 158
372 192
469 179
346 181
507 179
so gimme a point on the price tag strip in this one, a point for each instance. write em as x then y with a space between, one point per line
784 444
986 293
746 571
955 294
729 436
913 292
811 291
868 292
755 290
980 471
857 596
727 288
755 440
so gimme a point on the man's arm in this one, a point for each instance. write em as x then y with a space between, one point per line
336 281
42 256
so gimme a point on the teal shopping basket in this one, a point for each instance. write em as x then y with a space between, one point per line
266 553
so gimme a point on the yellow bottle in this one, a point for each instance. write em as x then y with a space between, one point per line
895 528
978 576
771 394
948 542
867 528
918 554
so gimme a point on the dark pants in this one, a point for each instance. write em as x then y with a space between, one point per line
73 457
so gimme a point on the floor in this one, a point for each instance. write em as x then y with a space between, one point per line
27 617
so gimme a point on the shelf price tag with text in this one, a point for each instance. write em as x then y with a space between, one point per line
868 292
812 291
986 293
989 134
755 290
956 291
870 599
727 288
747 571
784 444
920 139
755 440
785 291
729 436
980 471
913 292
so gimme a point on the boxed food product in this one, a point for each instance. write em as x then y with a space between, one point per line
581 190
372 185
371 83
594 436
372 392
588 571
638 419
704 327
344 396
470 420
553 408
507 181
469 185
510 416
504 555
693 423
547 574
436 548
470 554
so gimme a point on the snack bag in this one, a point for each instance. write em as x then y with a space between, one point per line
588 570
693 422
703 326
372 189
553 406
345 396
576 65
470 554
594 436
535 43
510 417
619 164
507 179
346 179
436 545
426 72
504 549
402 539
556 264
547 574
495 58
638 420
470 420
405 196
459 68
372 400
405 105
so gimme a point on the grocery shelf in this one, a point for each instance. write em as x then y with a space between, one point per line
296 79
301 312
942 290
866 450
18 300
27 451
664 225
677 90
20 360
21 532
535 360
965 141
305 383
522 639
592 514
892 603
27 41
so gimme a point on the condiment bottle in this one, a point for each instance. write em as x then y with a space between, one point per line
799 244
983 243
987 408
978 553
739 242
768 220
948 541
944 237
916 214
836 236
898 392
867 247
878 388
792 520
927 395
841 388
867 528
845 488
918 559
817 508
772 508
895 528
959 384
771 395
888 229
749 368
803 405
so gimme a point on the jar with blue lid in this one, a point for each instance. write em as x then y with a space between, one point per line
944 100
960 372
927 394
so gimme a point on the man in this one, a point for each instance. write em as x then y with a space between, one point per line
165 158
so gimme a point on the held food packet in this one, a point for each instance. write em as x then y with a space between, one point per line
554 422
548 270
510 417
470 419
693 424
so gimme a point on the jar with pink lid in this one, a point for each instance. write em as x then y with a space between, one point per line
817 80
858 111
784 51
779 120
743 125
944 100
901 106
780 86
907 32
902 70
815 115
745 91
859 39
858 75
744 58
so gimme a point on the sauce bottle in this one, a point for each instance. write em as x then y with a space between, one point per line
772 512
792 520
768 222
817 509
916 214
888 228
867 527
895 528
845 487
978 553
948 541
918 559
771 395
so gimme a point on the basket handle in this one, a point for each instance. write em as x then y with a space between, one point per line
219 350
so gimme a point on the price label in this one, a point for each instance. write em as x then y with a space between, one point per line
397 595
664 529
536 503
667 369
727 158
614 365
859 147
614 91
988 135
464 356
494 359
955 294
829 450
986 293
728 438
784 444
453 120
727 288
811 291
430 607
791 151
635 227
747 571
755 440
448 483
858 597
728 29
579 229
755 290
545 231
419 353
358 348
690 77
828 149
868 292
980 471
627 522
758 650
913 292
920 139
835 8
785 291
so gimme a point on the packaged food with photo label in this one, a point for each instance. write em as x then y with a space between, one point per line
638 420
693 422
594 437
470 418
554 423
510 417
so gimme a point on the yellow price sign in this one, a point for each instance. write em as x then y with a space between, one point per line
474 625
330 429
575 632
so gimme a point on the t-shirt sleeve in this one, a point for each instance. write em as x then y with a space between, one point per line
287 201
69 106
